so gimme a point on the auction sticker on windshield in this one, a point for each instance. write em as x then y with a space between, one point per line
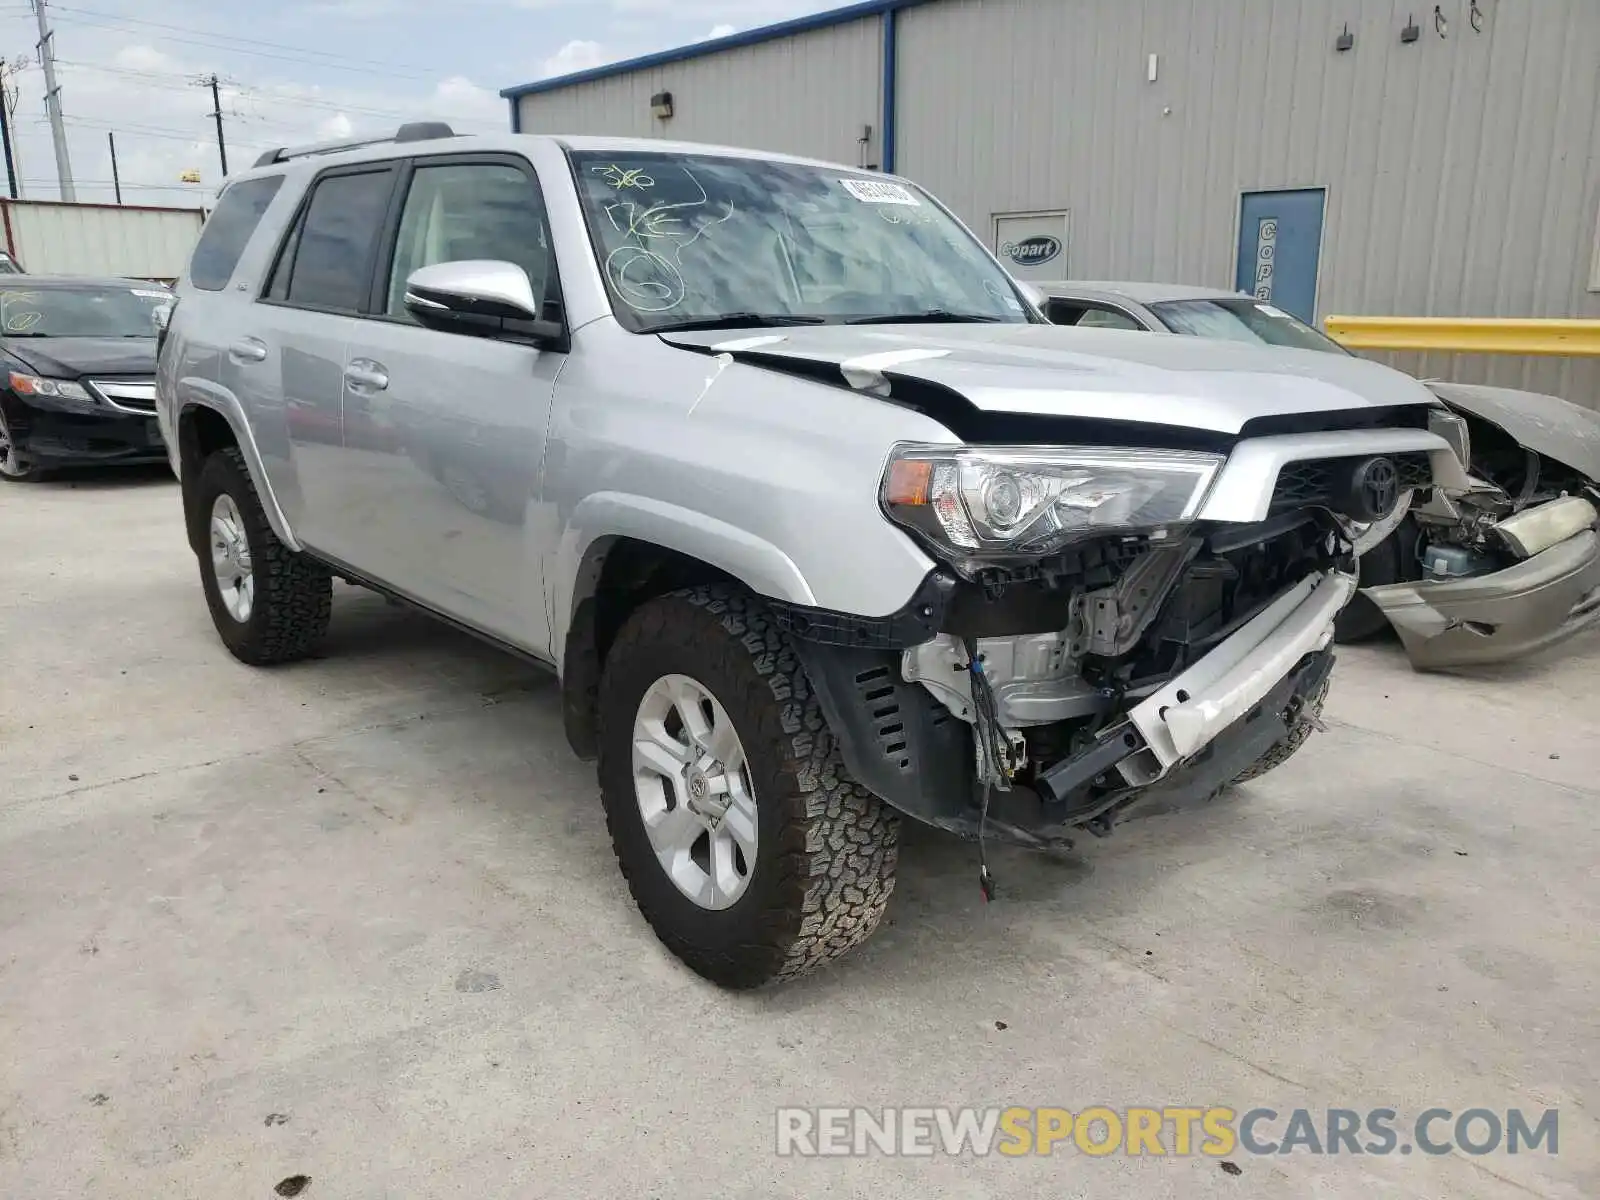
872 191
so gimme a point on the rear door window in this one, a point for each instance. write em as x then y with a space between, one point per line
227 233
338 236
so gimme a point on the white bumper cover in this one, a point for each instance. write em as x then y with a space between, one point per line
1194 708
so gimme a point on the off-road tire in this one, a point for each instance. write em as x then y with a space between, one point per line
827 848
1284 749
294 593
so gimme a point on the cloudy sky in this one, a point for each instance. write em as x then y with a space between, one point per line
305 71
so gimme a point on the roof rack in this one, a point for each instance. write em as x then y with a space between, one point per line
412 131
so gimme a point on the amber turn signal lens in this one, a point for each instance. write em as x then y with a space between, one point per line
909 482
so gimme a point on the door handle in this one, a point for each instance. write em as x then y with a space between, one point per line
248 350
365 376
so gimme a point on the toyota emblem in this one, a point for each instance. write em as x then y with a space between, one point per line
1374 489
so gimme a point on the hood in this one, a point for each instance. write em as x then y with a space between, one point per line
1053 370
1556 428
71 357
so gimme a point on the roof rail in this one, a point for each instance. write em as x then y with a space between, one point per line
412 131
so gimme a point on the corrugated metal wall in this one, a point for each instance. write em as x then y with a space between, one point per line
99 239
1463 173
810 95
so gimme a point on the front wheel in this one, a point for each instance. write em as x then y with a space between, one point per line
16 464
752 854
269 604
1307 718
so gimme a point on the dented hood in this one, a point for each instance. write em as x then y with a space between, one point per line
1556 428
1053 370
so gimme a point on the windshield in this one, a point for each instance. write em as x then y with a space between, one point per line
107 312
1242 320
686 239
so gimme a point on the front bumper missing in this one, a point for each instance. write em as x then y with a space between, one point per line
905 746
1536 604
1192 710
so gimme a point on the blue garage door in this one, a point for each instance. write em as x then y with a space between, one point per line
1280 240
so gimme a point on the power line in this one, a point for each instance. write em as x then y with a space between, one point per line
154 79
386 65
161 132
299 56
144 187
269 94
272 97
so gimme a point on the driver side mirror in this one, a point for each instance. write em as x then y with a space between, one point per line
484 298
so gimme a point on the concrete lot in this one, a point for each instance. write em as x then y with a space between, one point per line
358 920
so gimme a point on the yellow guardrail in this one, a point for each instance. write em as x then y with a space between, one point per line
1468 335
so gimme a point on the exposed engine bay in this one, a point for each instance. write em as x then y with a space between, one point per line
1049 700
1131 619
1509 564
1471 533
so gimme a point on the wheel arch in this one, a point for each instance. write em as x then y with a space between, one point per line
204 428
616 574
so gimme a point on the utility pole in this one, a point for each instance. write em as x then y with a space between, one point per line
116 180
10 94
52 103
5 134
216 111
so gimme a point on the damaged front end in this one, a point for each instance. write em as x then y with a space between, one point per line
1097 639
1501 568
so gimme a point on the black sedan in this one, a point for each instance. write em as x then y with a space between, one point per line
77 373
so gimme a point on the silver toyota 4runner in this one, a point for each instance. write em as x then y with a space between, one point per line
818 520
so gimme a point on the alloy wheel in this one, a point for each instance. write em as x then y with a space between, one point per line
694 791
13 462
230 559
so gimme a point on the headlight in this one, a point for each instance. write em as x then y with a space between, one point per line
999 503
34 385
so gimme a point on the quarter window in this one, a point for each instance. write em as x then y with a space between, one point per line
456 212
1107 318
1088 316
228 231
332 265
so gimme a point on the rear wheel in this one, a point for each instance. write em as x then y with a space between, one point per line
269 604
16 464
751 853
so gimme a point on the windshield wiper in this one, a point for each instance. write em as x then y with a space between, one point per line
928 316
747 320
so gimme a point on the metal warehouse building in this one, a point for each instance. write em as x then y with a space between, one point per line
1407 158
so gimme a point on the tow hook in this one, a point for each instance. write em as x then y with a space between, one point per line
1297 711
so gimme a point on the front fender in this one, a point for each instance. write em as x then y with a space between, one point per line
755 562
